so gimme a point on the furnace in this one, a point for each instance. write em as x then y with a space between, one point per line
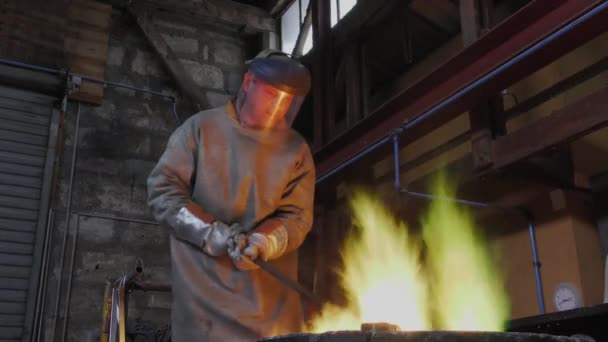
419 336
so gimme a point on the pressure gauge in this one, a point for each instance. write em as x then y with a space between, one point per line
566 297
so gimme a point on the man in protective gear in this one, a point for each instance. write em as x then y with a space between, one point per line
238 178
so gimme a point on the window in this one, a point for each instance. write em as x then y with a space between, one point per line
292 19
339 8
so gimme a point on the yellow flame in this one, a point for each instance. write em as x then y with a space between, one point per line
457 288
380 276
467 285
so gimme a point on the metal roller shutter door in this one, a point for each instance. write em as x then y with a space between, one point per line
27 123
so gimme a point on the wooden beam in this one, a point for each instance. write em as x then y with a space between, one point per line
176 68
564 125
249 19
487 121
558 88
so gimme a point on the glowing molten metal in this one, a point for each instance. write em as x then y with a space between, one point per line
457 287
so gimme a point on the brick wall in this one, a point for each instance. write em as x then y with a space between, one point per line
118 144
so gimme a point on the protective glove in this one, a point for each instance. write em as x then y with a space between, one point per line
267 242
215 240
236 251
211 237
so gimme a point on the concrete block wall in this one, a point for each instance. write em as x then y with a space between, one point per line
118 144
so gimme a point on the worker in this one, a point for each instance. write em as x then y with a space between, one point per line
238 178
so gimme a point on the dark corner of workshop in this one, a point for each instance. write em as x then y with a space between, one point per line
303 170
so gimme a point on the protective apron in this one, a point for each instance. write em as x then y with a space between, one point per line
235 174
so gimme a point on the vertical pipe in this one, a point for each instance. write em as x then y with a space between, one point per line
536 263
67 218
396 158
525 213
44 276
105 315
68 294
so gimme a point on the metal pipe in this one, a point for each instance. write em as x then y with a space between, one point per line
87 78
458 201
68 295
353 159
396 159
523 212
117 218
177 120
40 302
105 314
535 261
485 78
67 218
294 285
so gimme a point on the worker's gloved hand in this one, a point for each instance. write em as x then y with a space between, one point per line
236 250
212 237
217 237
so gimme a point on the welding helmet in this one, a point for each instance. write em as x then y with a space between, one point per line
288 76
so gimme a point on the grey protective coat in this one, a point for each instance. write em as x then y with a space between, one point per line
217 167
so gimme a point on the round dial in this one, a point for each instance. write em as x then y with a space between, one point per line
566 297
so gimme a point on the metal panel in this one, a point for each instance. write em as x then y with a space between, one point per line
17 248
10 332
13 283
27 151
23 127
13 179
11 320
12 308
10 236
20 169
19 192
15 271
22 148
20 214
18 226
16 202
23 137
25 117
14 260
13 295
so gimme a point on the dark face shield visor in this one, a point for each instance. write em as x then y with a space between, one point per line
289 78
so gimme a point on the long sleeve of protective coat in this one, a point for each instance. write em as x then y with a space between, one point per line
169 188
292 220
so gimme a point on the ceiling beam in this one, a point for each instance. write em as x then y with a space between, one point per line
564 125
182 78
246 18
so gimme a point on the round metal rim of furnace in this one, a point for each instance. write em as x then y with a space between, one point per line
419 336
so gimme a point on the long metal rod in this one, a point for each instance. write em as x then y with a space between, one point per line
289 282
484 79
67 218
68 294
